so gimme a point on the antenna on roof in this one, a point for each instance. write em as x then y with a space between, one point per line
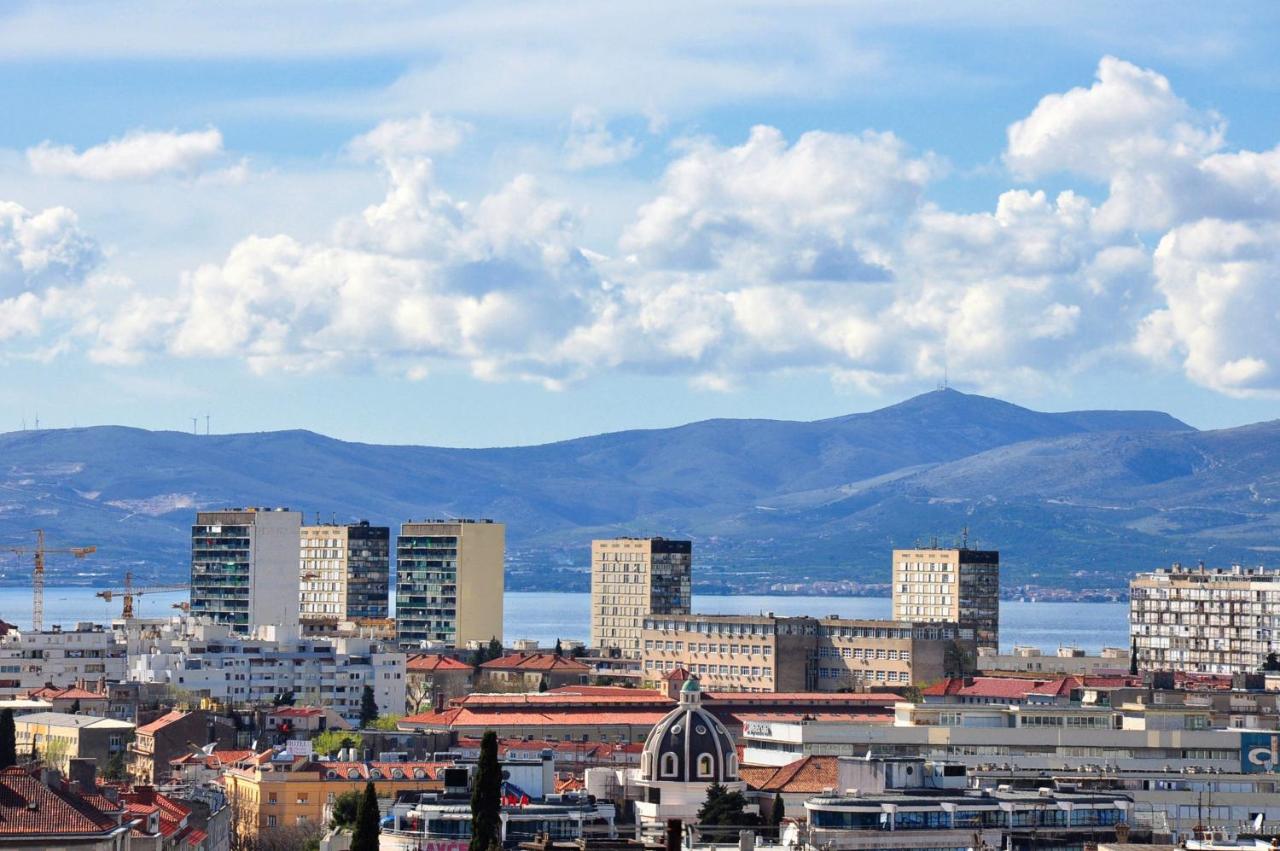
964 538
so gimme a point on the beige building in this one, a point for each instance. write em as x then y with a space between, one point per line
449 581
1066 660
345 573
956 585
58 738
1214 621
765 653
632 578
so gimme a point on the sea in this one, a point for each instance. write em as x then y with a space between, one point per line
548 615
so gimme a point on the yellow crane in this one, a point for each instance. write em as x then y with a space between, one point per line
38 552
128 592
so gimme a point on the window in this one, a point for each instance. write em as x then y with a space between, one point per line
271 821
706 766
668 765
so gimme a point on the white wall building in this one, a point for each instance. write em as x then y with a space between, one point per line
29 660
210 660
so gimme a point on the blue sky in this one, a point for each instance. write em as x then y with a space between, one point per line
509 223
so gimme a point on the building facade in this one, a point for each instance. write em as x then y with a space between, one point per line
765 653
59 738
89 653
244 567
1217 621
632 578
345 572
958 585
449 581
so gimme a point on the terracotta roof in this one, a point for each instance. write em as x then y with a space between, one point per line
794 717
808 776
463 717
298 711
679 675
608 691
1005 688
878 698
1057 688
362 769
215 759
536 662
162 722
32 809
561 697
435 662
68 693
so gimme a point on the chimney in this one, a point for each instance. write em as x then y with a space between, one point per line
84 772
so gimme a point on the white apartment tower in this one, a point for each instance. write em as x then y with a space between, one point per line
244 567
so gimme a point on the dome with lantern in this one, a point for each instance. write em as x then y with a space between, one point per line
689 745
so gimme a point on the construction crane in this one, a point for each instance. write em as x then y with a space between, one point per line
38 552
128 592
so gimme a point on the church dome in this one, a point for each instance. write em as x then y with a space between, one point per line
689 745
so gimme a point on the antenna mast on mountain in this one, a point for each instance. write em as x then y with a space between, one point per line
206 425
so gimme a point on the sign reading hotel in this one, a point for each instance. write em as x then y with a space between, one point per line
1259 752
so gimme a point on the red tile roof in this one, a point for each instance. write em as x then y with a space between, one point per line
1004 688
536 662
423 662
461 716
810 776
362 769
298 711
31 809
162 722
215 759
577 696
879 718
68 693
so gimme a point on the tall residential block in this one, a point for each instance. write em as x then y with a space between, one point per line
631 579
346 572
1205 620
959 585
244 567
449 581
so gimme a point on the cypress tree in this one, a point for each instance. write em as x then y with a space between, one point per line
368 707
486 796
776 814
559 649
365 835
1133 657
8 740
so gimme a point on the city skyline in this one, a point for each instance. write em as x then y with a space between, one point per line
607 221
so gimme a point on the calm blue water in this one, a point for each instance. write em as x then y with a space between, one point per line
548 615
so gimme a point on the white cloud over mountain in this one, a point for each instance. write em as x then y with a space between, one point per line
823 252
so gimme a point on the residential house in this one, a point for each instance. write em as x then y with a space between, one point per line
303 722
517 672
157 744
55 815
76 698
433 679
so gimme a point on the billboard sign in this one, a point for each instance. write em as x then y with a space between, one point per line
1259 752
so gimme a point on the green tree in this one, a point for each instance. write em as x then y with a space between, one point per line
368 707
559 651
1272 663
486 796
542 684
386 723
8 740
364 836
579 651
345 809
724 809
776 814
1133 657
331 741
495 649
285 698
75 706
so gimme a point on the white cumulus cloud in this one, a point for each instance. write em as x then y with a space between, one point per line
138 155
591 144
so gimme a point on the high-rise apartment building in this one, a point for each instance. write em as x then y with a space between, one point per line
244 567
449 581
1213 621
632 578
959 585
766 653
345 572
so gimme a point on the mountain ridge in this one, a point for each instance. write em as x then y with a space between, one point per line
765 500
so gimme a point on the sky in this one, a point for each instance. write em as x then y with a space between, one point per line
508 223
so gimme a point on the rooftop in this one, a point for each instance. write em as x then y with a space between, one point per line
66 719
30 808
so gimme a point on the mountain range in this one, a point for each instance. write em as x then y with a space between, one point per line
1072 500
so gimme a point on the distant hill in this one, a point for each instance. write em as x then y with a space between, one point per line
1099 493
